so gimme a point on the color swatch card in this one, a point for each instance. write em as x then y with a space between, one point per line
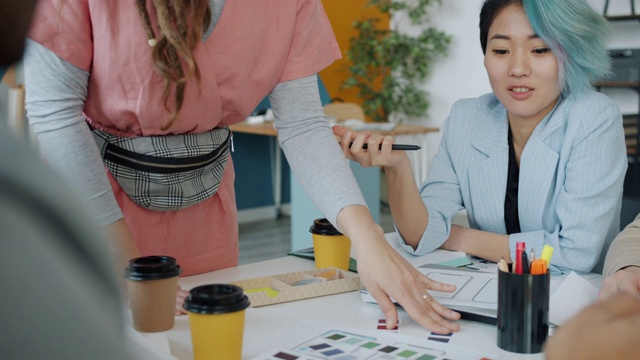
339 344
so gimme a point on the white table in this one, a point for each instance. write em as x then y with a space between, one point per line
346 310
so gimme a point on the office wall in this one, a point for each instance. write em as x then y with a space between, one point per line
459 74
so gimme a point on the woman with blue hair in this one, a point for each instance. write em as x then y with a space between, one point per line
540 160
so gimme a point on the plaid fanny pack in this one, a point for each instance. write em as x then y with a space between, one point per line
167 173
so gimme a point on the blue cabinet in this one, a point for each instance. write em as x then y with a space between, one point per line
303 211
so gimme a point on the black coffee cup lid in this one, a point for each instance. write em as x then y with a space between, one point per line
152 268
216 299
323 227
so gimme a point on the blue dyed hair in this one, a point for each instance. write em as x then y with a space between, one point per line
572 29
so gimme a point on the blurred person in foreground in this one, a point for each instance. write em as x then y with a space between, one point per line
61 299
609 328
622 265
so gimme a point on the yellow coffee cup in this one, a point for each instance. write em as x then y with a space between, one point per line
330 247
216 319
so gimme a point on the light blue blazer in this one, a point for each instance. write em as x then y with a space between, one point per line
571 178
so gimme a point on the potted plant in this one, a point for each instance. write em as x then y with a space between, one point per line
387 66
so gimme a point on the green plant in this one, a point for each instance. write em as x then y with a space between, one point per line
387 66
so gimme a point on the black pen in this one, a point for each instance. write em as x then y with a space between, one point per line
525 263
394 147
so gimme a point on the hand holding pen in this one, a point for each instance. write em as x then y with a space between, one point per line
356 146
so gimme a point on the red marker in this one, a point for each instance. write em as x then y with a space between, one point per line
520 248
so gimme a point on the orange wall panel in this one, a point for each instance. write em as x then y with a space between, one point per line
342 14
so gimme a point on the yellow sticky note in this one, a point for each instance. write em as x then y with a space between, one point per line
268 291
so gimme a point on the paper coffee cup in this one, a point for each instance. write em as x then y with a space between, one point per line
216 319
152 284
330 247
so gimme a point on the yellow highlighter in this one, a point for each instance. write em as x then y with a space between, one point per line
547 252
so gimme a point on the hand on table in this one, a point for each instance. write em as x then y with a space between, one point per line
607 329
182 294
386 274
626 280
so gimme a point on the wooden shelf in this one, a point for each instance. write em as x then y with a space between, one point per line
631 16
629 84
623 17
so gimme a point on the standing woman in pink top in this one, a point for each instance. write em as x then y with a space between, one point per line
146 90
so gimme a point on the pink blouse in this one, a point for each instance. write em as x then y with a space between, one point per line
254 46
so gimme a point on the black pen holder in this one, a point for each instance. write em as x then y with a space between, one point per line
523 312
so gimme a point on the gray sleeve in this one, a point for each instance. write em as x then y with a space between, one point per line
55 96
311 148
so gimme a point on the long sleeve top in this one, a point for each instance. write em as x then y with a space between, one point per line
90 67
570 182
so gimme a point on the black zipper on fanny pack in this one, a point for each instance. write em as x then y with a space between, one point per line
163 165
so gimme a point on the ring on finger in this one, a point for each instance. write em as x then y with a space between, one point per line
427 296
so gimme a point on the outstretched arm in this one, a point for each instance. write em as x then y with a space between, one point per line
307 140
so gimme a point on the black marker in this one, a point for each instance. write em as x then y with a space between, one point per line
525 263
394 147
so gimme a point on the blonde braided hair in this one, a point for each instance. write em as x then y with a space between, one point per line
181 23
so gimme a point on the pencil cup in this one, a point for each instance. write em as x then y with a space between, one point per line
216 319
152 285
523 312
330 247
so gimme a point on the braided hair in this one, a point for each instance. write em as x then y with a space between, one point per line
181 24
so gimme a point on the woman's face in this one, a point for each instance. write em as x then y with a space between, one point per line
522 70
